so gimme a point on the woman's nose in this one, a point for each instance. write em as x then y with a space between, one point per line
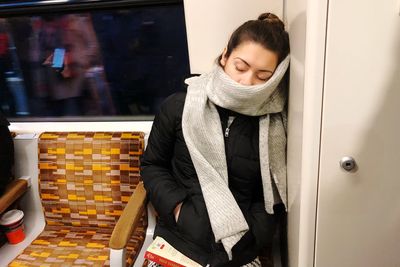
247 79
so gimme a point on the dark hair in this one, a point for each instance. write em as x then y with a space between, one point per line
268 30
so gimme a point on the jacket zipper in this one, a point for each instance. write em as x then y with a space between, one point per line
227 129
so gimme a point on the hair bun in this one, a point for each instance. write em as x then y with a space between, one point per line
272 18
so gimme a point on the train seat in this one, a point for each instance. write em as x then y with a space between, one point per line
92 198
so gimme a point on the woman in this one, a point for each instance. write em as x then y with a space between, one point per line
6 154
215 163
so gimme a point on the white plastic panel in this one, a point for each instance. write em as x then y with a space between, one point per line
149 235
39 127
296 25
26 165
117 257
307 25
209 24
358 212
398 8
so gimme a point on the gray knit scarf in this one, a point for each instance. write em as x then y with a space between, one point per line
204 138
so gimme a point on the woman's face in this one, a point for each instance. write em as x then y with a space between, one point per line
250 63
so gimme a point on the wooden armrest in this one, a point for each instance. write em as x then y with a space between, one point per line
13 191
129 218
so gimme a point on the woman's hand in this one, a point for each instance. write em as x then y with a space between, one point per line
177 210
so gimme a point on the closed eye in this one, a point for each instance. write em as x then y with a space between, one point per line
240 69
240 65
264 78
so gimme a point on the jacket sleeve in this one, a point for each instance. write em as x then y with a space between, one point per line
3 120
262 225
162 188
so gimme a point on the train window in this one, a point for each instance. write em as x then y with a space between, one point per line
106 63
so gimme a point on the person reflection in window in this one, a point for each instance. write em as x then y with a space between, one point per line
69 66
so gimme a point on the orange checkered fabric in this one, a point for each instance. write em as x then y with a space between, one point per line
85 181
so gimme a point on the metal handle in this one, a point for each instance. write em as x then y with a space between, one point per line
348 164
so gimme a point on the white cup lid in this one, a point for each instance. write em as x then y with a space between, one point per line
11 217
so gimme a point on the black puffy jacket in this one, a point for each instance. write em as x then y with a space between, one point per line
6 154
170 178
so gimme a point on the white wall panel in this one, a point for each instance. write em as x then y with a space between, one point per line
350 108
39 127
296 25
26 164
307 29
209 24
358 212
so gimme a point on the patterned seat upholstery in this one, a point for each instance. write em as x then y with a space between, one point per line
85 181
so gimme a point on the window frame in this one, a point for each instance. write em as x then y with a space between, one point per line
13 7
